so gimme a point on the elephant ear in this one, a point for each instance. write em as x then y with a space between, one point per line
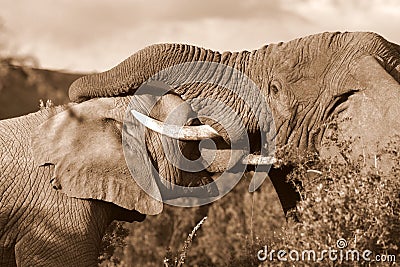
84 144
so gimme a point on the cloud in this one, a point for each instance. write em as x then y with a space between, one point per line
91 35
75 24
380 16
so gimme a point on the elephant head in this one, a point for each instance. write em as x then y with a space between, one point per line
84 142
305 83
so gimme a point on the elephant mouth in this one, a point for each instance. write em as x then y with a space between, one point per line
214 158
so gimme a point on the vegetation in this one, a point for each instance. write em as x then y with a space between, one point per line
22 85
344 207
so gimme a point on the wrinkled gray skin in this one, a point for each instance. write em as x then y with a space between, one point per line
306 83
63 179
40 226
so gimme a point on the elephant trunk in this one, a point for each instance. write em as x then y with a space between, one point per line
127 76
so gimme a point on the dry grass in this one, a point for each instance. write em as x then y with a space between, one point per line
179 260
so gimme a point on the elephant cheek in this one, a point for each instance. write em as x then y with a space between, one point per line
371 119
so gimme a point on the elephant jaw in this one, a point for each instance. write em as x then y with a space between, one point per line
214 158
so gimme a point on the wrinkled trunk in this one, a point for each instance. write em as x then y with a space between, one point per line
222 98
132 72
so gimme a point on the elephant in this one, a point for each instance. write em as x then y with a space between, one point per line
64 179
306 83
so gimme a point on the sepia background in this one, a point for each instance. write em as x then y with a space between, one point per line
46 44
89 35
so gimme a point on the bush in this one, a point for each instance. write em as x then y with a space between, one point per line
113 239
344 204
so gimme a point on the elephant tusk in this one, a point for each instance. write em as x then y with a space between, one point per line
219 159
258 160
185 133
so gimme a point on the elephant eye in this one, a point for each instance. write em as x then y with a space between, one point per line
274 87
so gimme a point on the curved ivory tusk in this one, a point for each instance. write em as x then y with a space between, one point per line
258 160
186 133
219 158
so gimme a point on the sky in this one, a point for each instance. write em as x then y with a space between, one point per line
95 35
